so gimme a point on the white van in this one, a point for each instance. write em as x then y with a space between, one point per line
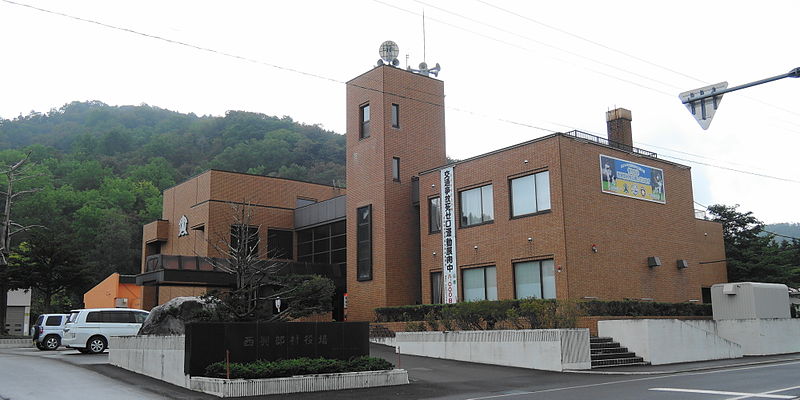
88 330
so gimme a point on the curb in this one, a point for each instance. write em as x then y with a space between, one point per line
677 371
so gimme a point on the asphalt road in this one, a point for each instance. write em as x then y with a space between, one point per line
66 374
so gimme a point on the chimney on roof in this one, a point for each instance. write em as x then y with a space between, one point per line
618 122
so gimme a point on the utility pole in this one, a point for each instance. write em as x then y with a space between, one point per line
703 102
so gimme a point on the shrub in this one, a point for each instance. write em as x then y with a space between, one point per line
407 313
298 366
529 313
413 326
432 320
631 308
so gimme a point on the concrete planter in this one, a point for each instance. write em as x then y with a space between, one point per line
298 384
15 343
545 349
162 357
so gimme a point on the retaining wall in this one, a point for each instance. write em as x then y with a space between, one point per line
667 341
546 349
159 357
761 336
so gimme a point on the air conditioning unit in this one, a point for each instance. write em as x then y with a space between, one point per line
653 262
121 302
683 264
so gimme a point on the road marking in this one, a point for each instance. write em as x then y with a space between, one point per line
649 378
721 393
771 391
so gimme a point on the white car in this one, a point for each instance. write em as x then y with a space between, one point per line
88 330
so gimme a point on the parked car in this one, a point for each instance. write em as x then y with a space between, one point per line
88 330
48 330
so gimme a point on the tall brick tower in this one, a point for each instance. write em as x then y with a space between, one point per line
395 129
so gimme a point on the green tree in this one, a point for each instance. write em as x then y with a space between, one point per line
48 264
751 253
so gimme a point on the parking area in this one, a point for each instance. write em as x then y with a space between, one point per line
30 373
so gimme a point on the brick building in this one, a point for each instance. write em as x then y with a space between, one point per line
198 217
569 215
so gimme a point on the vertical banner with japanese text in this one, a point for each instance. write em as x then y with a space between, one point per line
449 264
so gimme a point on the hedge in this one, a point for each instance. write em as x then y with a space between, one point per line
297 366
629 308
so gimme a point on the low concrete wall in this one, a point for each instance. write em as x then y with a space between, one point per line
546 349
667 341
298 384
159 357
386 341
162 357
760 336
15 343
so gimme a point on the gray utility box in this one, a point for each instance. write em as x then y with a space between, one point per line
749 300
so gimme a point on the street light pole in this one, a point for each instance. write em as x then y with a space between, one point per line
795 73
703 102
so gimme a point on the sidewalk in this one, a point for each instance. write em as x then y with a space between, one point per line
691 366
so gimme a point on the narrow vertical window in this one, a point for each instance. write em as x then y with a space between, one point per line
364 243
437 287
396 169
364 119
395 116
434 215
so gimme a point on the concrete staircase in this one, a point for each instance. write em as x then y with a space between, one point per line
605 352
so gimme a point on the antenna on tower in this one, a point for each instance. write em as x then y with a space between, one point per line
424 41
423 66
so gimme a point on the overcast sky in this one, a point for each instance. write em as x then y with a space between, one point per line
513 71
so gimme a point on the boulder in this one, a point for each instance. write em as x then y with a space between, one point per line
171 317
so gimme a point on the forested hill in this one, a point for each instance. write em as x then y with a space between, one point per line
125 136
99 171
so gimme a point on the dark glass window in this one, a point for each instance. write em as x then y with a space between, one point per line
244 234
477 206
480 283
437 288
140 317
326 244
396 169
364 122
530 194
435 214
395 115
280 244
364 243
94 316
53 320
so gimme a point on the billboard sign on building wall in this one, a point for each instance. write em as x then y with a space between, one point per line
630 179
449 265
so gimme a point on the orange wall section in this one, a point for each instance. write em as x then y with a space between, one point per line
106 292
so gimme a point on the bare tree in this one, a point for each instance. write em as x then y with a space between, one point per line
14 174
259 281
